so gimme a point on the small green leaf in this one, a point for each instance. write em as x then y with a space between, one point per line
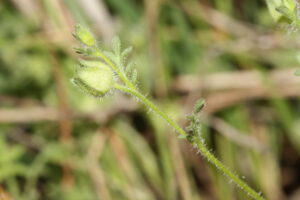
130 67
134 76
285 11
126 52
272 5
199 106
116 45
290 4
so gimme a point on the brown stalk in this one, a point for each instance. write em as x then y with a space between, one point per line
65 121
152 12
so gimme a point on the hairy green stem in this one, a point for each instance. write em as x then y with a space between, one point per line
220 166
196 141
122 76
150 105
87 82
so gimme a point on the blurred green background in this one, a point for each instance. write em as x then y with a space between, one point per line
57 143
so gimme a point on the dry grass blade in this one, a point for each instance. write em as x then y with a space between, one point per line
243 80
222 90
180 169
219 20
95 171
243 139
98 13
38 113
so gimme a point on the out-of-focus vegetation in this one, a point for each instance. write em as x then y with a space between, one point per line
56 143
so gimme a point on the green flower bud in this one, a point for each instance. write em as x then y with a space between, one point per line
84 36
94 78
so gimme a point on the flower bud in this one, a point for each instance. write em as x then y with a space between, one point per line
94 78
84 36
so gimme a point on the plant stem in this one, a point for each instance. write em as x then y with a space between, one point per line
153 107
122 76
220 166
196 141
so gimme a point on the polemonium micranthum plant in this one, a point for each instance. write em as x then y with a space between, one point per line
107 72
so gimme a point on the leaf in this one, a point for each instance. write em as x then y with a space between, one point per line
129 67
290 4
199 106
134 76
126 52
116 45
272 5
125 55
285 11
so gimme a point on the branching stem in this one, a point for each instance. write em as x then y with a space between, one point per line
196 141
88 81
